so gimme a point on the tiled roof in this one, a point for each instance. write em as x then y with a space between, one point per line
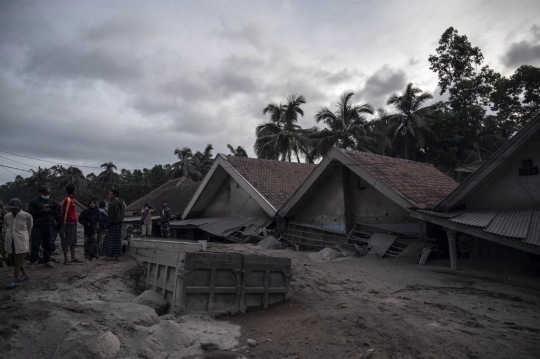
274 180
177 193
420 183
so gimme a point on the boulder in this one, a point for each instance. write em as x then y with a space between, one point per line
153 300
270 242
328 254
165 340
82 344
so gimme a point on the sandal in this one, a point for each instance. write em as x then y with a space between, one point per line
67 263
12 285
50 265
76 260
22 278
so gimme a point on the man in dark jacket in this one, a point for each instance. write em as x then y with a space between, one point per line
112 243
165 221
44 212
93 224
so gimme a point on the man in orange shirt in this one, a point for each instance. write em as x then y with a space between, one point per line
68 222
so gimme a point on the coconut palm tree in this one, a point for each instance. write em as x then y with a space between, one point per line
71 175
282 137
187 166
238 152
347 127
205 160
38 178
409 128
108 179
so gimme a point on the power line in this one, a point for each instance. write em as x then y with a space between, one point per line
57 163
9 159
9 171
19 169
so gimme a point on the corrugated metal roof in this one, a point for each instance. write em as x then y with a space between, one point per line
137 219
380 243
511 223
441 214
476 218
415 248
225 226
533 236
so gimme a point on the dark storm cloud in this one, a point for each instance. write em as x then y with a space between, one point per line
379 86
524 52
69 62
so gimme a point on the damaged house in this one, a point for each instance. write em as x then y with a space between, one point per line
177 193
495 212
352 196
239 198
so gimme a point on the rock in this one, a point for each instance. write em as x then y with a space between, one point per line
82 344
166 340
328 254
209 346
368 354
252 343
152 300
270 242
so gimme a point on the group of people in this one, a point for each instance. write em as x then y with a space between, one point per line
46 219
164 220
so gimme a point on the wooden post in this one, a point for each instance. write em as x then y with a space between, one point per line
452 249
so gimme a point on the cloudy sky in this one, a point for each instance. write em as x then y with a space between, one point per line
85 82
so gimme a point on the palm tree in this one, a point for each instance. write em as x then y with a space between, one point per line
187 165
71 175
282 137
38 178
409 128
347 127
108 178
238 152
205 159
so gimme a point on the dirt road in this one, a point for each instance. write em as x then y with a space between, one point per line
338 309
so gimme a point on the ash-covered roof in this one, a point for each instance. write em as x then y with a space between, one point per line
276 181
177 193
420 183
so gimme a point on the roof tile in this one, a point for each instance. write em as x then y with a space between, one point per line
420 183
274 180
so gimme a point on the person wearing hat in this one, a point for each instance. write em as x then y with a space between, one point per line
18 229
45 212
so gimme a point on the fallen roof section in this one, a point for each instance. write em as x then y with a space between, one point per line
270 183
226 226
408 183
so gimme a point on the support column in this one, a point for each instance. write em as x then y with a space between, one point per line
452 249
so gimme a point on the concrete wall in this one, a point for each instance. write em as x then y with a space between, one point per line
219 206
369 205
336 201
323 204
232 199
508 190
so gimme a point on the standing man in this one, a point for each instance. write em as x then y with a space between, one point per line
112 243
44 212
19 227
165 221
68 222
147 211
